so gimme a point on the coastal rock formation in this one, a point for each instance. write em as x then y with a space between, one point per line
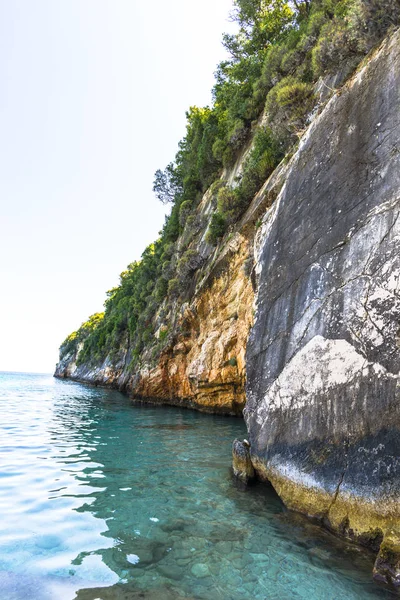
204 367
300 302
323 409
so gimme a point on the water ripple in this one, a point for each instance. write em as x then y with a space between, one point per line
101 499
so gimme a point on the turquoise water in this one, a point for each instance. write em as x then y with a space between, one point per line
100 499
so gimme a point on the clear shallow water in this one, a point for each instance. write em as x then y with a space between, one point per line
100 499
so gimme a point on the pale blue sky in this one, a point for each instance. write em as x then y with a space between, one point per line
93 100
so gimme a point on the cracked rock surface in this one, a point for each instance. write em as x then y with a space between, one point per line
323 408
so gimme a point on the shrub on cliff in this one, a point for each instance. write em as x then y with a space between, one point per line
70 344
189 262
375 17
294 95
337 42
264 156
184 211
352 29
174 288
216 228
287 106
160 289
228 204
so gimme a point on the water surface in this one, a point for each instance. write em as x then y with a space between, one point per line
100 499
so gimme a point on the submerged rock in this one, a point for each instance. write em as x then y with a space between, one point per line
200 570
241 461
387 564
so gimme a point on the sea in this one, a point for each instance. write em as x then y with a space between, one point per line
105 499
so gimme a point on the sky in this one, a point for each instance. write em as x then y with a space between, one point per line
93 100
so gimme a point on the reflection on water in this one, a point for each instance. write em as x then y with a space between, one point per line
102 499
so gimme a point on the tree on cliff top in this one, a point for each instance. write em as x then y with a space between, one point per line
167 184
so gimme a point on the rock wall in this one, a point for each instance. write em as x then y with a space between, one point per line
204 367
323 409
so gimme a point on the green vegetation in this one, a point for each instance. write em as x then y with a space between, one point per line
216 228
76 337
262 98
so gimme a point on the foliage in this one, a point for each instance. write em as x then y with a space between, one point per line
217 227
265 154
189 262
184 212
293 94
375 17
228 204
167 184
279 51
163 334
70 344
174 286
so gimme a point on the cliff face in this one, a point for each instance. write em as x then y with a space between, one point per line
204 367
323 408
309 282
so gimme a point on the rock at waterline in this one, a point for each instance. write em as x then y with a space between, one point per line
241 461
